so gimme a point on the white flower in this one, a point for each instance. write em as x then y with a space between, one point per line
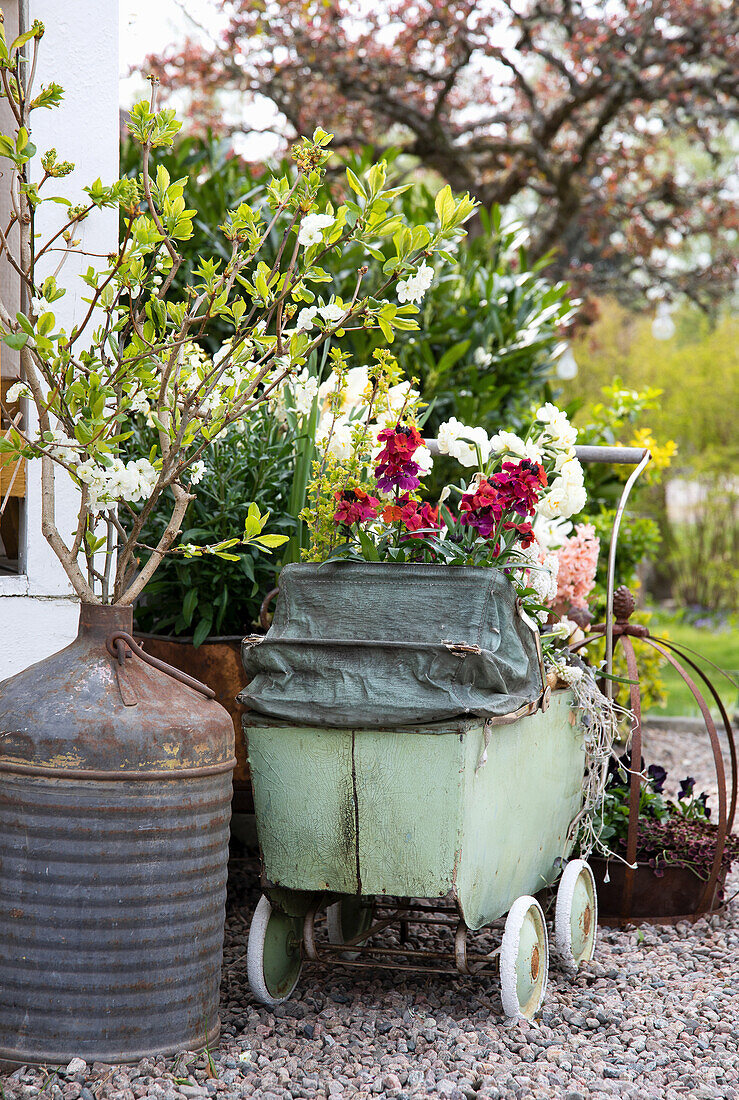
571 471
338 441
197 470
481 357
138 402
543 576
304 390
311 228
459 441
109 484
352 395
415 286
566 496
569 674
551 534
424 461
60 446
16 392
332 313
306 318
510 443
558 432
401 397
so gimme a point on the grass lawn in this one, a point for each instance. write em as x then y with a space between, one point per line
717 642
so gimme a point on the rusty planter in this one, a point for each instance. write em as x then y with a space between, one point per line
665 899
115 789
218 664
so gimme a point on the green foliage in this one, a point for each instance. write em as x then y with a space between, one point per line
697 372
616 420
209 596
650 664
654 805
489 326
140 345
490 332
703 557
708 638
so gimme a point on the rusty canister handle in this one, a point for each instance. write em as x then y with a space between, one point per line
175 673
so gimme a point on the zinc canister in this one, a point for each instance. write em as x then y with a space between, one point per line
115 791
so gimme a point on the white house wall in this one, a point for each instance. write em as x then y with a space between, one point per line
38 611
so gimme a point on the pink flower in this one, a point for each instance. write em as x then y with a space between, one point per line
354 506
578 561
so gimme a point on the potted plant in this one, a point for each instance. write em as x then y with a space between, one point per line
103 752
196 611
676 844
405 609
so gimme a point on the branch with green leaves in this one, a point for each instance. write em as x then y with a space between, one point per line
138 349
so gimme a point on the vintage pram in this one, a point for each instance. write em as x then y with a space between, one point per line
448 825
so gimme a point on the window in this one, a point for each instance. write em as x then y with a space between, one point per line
12 487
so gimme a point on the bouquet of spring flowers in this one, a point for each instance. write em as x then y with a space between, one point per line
367 499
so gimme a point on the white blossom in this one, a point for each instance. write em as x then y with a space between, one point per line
551 534
196 472
332 313
132 481
304 390
60 446
306 318
415 286
338 442
566 495
353 391
558 433
568 674
16 392
481 357
423 459
311 228
509 443
138 402
458 440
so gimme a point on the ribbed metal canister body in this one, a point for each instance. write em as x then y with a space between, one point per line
115 790
112 899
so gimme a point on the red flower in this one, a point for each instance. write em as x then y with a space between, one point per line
482 509
395 469
525 532
355 506
519 485
412 514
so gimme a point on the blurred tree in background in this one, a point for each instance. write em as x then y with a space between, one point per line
606 124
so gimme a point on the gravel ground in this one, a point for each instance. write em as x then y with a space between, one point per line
655 1015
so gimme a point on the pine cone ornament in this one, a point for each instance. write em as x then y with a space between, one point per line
623 604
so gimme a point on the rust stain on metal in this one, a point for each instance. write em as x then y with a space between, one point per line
218 664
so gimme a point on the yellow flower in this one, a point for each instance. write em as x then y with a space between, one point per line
662 454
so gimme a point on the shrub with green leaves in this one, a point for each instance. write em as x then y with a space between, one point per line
207 595
139 347
490 324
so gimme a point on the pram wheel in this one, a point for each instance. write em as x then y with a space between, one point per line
576 915
524 959
273 954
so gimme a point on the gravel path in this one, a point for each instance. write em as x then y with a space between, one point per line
656 1015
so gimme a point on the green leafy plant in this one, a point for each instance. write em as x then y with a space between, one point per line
703 553
140 344
490 326
673 832
210 596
